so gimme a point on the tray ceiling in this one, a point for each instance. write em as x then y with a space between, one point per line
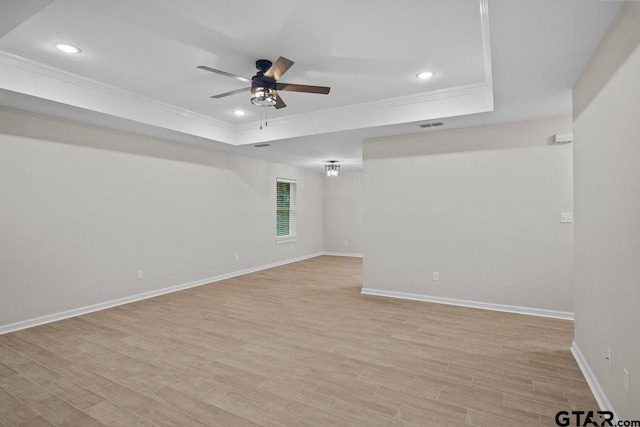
495 61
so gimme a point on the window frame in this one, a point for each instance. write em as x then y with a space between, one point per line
293 196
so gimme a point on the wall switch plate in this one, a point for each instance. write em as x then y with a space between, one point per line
139 274
566 217
609 361
435 275
626 380
563 138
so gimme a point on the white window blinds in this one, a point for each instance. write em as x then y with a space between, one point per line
285 209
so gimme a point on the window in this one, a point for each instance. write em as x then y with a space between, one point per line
285 210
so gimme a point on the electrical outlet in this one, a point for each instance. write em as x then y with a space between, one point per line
435 275
626 380
609 361
237 257
140 274
566 217
346 243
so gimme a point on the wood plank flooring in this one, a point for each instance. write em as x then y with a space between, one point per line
296 345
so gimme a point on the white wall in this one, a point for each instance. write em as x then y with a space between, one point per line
480 206
607 204
83 208
342 207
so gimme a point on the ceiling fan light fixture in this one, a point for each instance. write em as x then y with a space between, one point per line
332 168
263 96
424 75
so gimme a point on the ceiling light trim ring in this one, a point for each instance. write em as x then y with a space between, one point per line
67 48
425 75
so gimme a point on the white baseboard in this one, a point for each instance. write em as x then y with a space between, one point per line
12 327
594 385
474 304
347 254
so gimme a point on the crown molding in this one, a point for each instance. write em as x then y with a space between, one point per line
486 41
370 107
453 102
44 70
472 98
418 98
32 78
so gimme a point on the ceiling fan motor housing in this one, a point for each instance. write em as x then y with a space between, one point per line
259 80
263 65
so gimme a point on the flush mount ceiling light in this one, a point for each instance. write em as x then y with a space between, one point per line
332 168
239 113
67 48
424 75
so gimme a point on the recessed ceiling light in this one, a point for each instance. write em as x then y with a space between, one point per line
424 75
239 112
67 48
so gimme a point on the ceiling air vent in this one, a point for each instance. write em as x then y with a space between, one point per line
434 124
262 145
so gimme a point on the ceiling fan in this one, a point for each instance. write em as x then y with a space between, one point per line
265 86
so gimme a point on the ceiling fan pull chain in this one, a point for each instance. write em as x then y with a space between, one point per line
266 114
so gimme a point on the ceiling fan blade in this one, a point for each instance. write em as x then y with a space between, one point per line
233 92
278 68
302 88
279 102
224 73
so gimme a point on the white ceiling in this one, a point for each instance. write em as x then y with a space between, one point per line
495 61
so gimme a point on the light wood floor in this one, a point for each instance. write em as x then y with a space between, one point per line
292 346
